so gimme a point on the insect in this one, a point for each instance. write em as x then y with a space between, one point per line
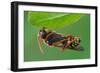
52 38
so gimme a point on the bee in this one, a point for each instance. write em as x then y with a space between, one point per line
52 38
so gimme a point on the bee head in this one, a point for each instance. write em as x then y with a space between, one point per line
77 40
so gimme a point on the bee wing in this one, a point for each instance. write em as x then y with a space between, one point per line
40 43
79 48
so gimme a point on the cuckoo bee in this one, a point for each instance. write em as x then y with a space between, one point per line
52 38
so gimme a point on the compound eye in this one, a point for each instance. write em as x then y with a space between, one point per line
79 40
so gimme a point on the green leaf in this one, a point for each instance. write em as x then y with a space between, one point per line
53 20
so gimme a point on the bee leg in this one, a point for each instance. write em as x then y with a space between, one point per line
68 44
62 49
64 45
40 43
